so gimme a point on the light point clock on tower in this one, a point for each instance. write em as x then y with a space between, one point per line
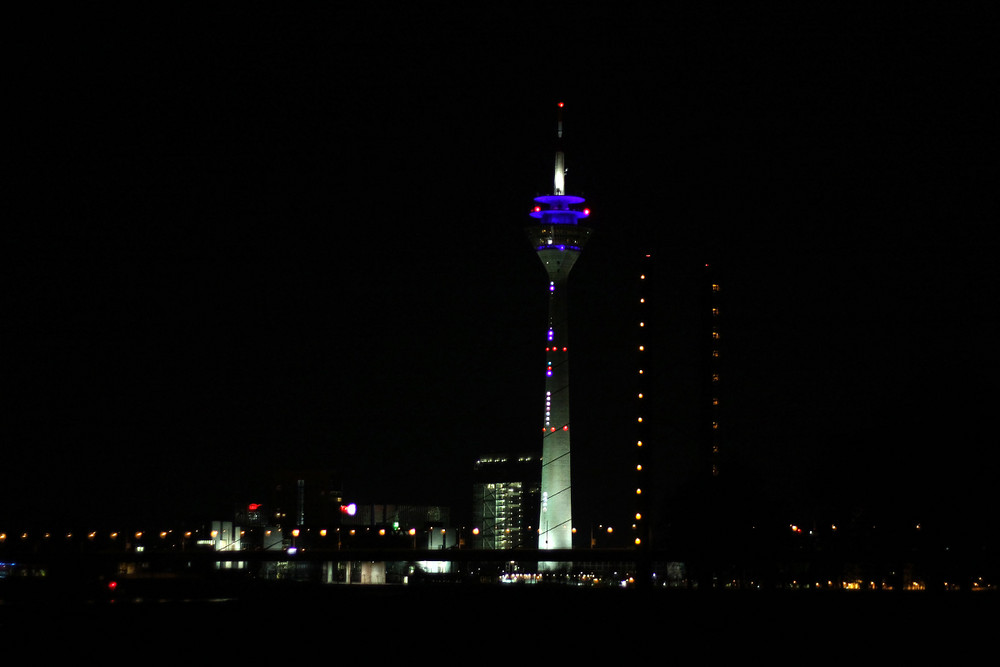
558 239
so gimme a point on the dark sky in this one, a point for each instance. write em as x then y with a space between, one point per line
252 243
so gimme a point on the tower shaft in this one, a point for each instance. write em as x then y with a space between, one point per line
556 516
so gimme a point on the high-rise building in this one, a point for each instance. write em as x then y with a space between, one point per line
642 441
558 239
712 338
505 501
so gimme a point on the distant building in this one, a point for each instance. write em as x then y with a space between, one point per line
398 517
505 496
300 498
309 506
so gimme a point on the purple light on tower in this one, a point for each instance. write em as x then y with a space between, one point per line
558 239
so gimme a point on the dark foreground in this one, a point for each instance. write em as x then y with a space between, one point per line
465 621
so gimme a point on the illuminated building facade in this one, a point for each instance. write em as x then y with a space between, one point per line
558 239
505 501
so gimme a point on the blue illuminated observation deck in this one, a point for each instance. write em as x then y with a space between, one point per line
560 229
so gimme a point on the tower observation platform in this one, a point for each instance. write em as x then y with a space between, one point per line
558 239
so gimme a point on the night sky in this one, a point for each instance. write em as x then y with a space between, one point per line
243 244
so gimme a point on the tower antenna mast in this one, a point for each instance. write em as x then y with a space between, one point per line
559 182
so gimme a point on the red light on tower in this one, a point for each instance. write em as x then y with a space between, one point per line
561 105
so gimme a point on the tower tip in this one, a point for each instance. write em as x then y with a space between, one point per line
559 185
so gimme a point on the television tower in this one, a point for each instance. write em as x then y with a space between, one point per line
558 239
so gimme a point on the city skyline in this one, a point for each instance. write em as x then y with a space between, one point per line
245 255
